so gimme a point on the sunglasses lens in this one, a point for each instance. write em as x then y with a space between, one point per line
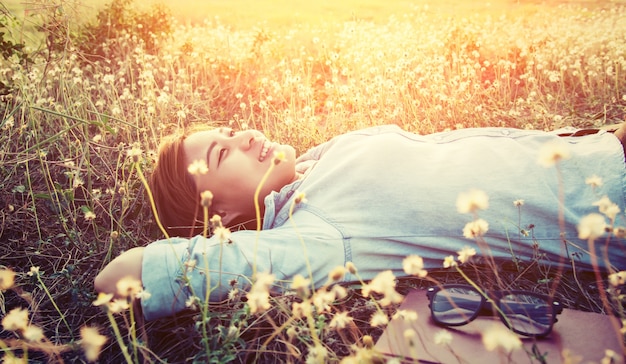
455 305
527 313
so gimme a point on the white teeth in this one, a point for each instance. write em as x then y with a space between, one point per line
264 150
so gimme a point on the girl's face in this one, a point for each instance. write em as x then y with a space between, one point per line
237 162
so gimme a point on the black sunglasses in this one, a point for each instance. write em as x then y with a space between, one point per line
526 313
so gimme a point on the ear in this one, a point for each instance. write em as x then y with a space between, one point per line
229 218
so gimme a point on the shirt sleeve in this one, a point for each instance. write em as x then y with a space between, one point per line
175 270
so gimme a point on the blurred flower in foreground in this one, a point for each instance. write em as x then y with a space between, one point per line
222 234
337 274
317 354
552 153
301 284
591 226
607 207
103 299
617 279
384 283
91 342
33 333
476 228
379 319
443 337
89 215
198 167
206 198
405 315
449 262
16 319
279 157
33 272
471 201
341 320
414 265
7 279
258 297
466 253
128 287
499 336
594 181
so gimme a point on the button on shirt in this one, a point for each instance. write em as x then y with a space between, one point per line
375 196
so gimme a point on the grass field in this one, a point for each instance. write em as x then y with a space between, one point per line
279 13
82 111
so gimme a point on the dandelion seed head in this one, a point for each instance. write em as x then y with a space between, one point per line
414 265
518 203
7 279
77 182
8 123
442 337
322 300
143 295
198 167
33 333
128 287
379 319
91 342
498 336
279 157
103 299
466 253
594 181
16 319
340 321
337 274
89 215
617 279
552 153
471 201
317 355
192 302
222 234
258 297
449 261
591 226
233 294
607 207
301 309
300 198
405 315
410 336
385 284
33 271
134 154
475 229
300 283
118 305
340 292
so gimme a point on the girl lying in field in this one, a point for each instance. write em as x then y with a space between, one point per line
372 197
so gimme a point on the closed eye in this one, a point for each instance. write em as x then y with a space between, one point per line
220 156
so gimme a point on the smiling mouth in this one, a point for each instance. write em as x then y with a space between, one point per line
264 150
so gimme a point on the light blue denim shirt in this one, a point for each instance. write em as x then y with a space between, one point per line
377 195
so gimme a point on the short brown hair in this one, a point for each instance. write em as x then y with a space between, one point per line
173 189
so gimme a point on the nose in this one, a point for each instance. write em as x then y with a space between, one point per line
246 139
